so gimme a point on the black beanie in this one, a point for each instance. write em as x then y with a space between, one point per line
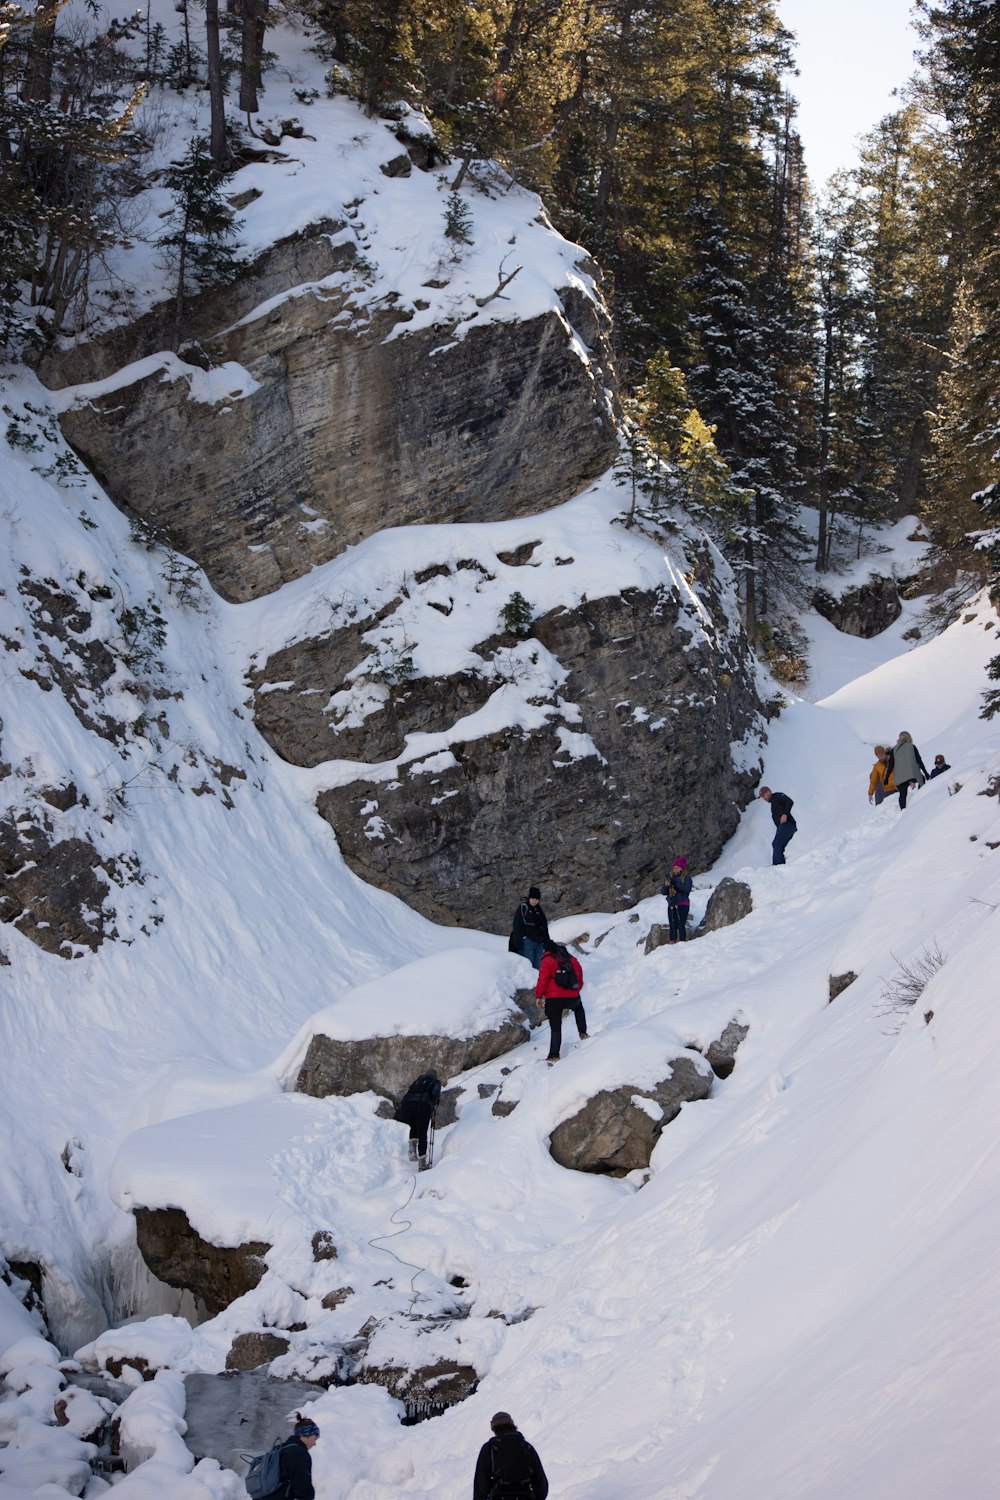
534 891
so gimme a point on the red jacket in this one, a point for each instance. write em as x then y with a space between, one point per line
547 989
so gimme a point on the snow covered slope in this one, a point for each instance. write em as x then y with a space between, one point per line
802 1298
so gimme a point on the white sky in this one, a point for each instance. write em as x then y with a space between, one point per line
851 55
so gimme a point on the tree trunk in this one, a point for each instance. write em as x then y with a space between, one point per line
217 145
253 42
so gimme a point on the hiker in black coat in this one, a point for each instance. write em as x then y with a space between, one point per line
508 1465
530 931
416 1109
785 825
296 1461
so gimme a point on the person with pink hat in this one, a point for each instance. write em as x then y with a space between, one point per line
677 889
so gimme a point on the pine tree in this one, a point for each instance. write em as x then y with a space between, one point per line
200 242
67 149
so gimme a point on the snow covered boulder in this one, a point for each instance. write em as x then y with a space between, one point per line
176 1253
451 1011
616 1130
863 611
213 1191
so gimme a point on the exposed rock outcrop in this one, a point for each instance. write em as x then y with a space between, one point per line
840 982
388 1064
425 1390
730 902
721 1055
616 1130
176 1253
56 888
249 1351
864 611
633 755
339 430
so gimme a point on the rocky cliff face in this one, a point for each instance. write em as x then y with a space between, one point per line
332 429
628 761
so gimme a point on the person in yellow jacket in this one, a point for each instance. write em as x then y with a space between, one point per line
880 782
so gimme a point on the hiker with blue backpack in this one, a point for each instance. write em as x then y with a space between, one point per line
285 1470
508 1468
560 980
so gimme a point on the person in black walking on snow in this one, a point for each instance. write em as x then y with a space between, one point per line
508 1466
677 889
784 824
295 1463
939 767
560 980
416 1109
530 930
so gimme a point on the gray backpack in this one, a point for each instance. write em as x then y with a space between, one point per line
263 1477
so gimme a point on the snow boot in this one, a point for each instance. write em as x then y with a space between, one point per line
413 1150
424 1164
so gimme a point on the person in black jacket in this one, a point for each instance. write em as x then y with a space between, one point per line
508 1468
530 931
785 825
416 1109
295 1464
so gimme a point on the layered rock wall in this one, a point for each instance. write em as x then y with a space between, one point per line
338 422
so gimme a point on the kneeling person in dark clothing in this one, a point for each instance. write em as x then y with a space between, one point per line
560 980
416 1109
296 1461
508 1468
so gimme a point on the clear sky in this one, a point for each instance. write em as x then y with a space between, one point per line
851 55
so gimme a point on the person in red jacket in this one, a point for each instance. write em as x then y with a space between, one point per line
560 980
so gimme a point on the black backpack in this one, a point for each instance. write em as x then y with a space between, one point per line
565 975
512 1473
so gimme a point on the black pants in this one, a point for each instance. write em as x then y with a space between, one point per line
553 1014
907 786
678 916
418 1117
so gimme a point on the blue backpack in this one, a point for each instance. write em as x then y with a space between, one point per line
263 1477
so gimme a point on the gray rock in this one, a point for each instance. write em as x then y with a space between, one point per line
730 902
426 1390
721 1055
347 432
658 937
661 711
54 888
840 982
323 1247
388 1064
177 1254
611 1134
864 611
503 1107
249 1351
